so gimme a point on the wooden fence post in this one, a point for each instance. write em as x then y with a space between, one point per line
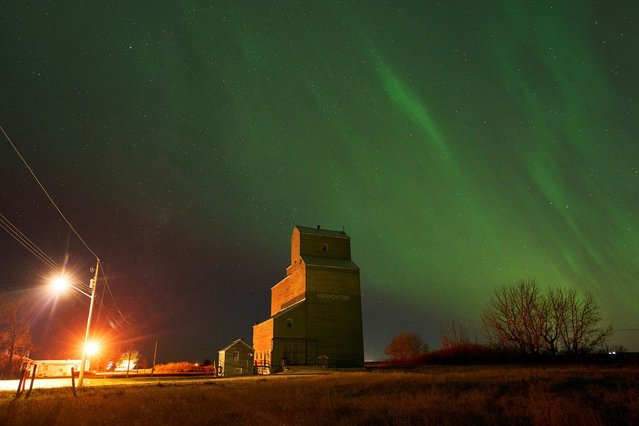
73 382
19 391
35 367
24 381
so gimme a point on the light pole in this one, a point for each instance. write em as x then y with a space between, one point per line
92 284
60 284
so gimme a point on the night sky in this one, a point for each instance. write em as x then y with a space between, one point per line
462 145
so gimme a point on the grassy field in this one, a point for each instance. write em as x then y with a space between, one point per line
559 395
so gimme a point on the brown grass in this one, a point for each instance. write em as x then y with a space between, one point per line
183 367
559 395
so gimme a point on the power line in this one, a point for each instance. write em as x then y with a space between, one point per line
32 247
45 192
110 316
40 254
106 284
26 242
22 238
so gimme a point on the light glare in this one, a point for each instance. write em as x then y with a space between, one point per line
92 348
60 283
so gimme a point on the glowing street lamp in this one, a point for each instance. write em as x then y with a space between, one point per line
61 283
93 348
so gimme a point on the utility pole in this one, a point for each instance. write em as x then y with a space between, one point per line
92 284
155 352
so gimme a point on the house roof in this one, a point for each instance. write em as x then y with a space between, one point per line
329 262
235 342
326 232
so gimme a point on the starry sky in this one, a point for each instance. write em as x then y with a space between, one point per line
462 145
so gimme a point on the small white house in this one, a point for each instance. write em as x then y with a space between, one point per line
236 359
58 367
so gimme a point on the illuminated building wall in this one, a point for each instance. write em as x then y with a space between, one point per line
316 314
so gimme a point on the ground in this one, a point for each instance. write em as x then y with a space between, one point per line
538 395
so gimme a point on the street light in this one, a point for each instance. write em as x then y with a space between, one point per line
61 283
93 348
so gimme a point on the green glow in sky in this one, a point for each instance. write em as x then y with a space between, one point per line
462 145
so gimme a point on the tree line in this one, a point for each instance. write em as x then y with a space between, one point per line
523 319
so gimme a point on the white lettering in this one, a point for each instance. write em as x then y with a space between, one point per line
329 296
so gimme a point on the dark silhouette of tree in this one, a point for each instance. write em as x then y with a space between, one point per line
16 314
578 328
514 317
405 346
520 317
555 308
453 336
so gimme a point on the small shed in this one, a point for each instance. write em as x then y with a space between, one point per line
236 359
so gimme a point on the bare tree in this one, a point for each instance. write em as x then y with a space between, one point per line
554 305
514 317
16 314
522 318
579 330
405 346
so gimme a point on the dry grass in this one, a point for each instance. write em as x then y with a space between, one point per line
436 395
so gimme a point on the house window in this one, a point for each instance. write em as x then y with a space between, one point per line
324 246
236 356
238 370
289 322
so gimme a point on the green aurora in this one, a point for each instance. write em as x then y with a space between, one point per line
462 145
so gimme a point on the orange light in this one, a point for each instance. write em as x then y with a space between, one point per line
92 348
